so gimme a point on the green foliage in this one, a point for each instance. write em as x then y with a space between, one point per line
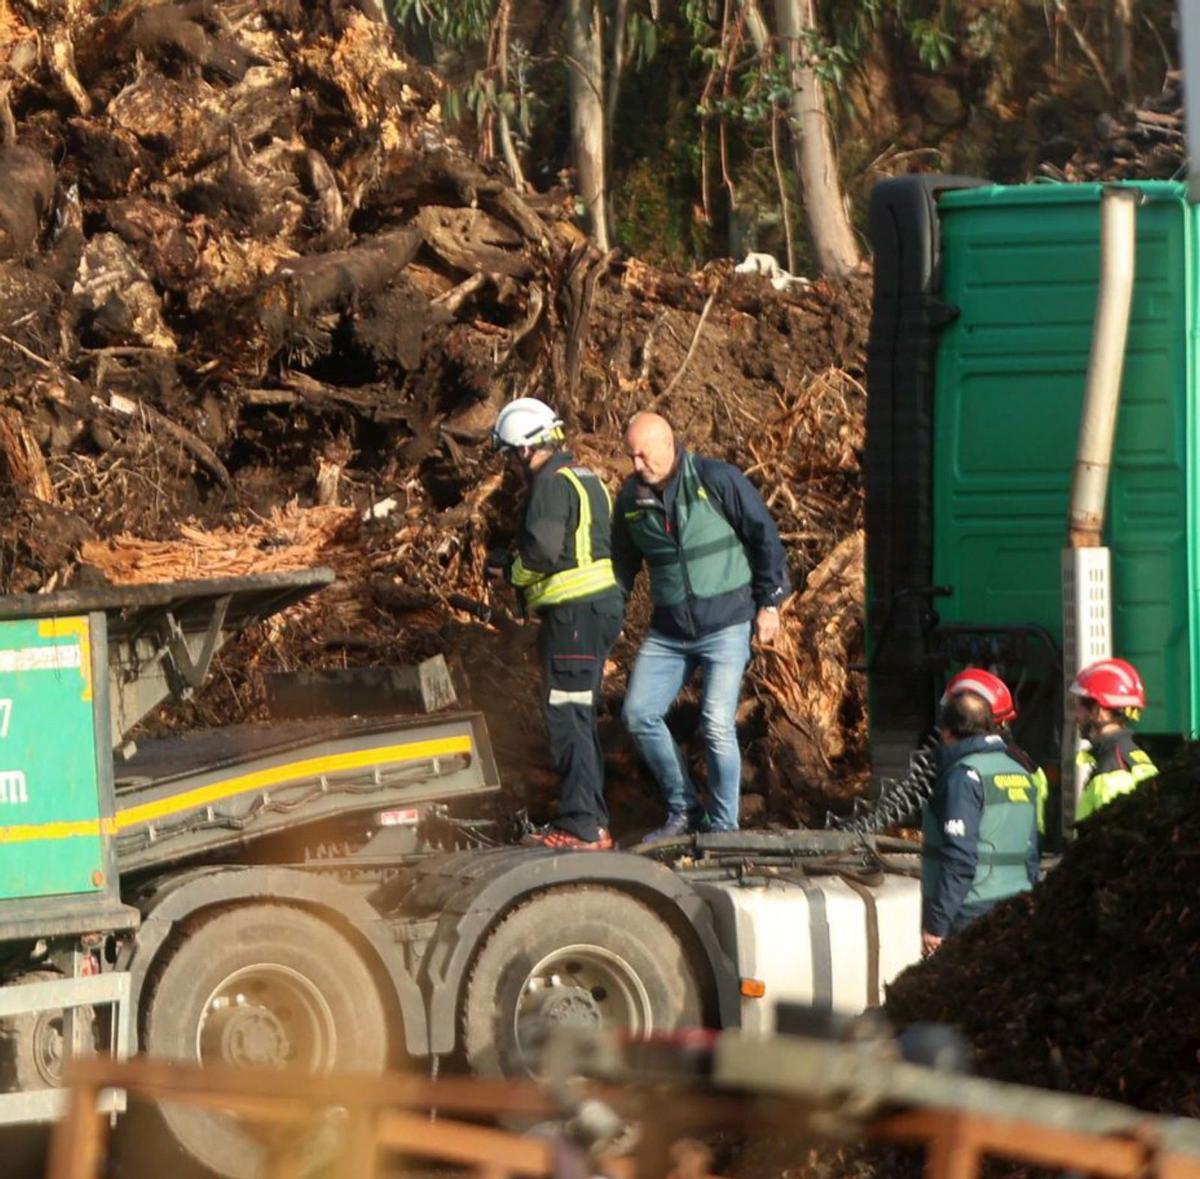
934 45
655 161
924 24
465 25
452 23
654 216
641 34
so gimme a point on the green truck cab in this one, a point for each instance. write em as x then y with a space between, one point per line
983 309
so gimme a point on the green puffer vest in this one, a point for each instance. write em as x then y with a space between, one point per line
1008 822
703 559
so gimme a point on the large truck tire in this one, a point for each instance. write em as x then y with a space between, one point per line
584 957
262 984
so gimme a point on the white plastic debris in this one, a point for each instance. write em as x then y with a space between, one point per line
766 264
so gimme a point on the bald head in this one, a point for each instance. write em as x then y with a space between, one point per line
650 444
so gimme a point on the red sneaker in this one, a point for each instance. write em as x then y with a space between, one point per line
558 840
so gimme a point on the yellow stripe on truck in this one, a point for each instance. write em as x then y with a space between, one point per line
28 832
313 767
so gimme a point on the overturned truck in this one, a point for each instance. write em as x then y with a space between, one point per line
323 894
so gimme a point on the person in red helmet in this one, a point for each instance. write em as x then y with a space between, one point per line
979 825
1107 697
994 691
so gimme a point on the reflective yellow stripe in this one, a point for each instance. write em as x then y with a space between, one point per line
588 576
573 583
522 577
28 832
583 532
312 767
56 628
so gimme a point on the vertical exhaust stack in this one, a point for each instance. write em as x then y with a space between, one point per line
1189 53
1086 563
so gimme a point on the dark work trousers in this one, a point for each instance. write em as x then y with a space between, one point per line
574 642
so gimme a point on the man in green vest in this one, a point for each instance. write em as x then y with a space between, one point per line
562 568
718 573
979 829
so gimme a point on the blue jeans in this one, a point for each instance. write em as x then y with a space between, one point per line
663 666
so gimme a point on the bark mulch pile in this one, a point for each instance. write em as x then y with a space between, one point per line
1089 983
258 310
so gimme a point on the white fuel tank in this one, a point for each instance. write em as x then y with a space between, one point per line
821 941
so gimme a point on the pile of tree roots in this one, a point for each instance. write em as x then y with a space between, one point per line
258 310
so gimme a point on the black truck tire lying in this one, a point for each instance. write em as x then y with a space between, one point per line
327 1014
618 964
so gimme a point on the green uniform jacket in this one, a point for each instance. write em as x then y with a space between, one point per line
979 834
711 548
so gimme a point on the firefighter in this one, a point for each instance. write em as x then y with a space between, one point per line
562 569
1106 698
979 829
1004 711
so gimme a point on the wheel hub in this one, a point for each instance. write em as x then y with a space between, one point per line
582 985
571 1007
246 1034
267 1014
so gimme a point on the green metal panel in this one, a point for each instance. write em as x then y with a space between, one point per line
1022 265
50 794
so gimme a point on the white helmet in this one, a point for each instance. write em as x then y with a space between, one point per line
526 422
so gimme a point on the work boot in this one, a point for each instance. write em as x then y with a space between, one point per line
677 825
558 840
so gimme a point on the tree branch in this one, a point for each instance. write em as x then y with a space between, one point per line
506 143
708 306
617 69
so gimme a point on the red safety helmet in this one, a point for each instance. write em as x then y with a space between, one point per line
991 687
1112 683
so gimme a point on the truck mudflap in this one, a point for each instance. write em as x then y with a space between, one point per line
167 902
238 787
467 894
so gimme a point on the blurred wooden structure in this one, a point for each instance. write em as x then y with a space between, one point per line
371 1116
418 1118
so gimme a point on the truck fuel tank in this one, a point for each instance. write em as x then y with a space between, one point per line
826 940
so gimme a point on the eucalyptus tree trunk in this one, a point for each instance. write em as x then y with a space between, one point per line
585 72
1121 57
812 144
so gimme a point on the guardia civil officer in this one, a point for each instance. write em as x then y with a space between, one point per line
1004 711
718 574
979 829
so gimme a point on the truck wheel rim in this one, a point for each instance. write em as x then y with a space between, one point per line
267 1014
48 1048
580 986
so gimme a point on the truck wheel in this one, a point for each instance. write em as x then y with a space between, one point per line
261 985
31 1044
581 957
